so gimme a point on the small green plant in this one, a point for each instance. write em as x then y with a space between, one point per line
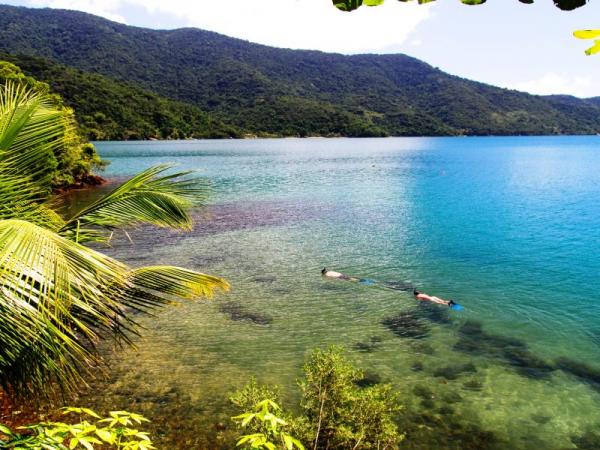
271 434
337 413
92 431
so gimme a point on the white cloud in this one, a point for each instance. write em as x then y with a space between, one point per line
312 24
552 83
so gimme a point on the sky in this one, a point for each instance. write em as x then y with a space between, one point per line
503 42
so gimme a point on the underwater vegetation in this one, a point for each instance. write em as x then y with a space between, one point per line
514 352
584 372
368 346
406 325
368 379
452 372
433 313
474 340
443 428
239 313
587 441
265 279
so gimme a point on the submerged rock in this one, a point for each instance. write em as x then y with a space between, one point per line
446 410
422 348
514 352
406 325
369 346
587 441
417 366
266 279
423 391
452 397
398 286
427 403
369 379
586 373
473 385
237 312
541 419
434 313
454 371
444 429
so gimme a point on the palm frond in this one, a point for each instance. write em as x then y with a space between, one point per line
31 128
177 282
150 198
22 199
58 298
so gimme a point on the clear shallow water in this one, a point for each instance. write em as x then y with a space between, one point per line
508 227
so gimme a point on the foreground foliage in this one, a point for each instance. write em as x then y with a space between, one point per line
74 159
270 430
590 34
92 431
350 5
337 413
58 298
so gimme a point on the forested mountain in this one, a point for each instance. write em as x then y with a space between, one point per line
265 90
109 110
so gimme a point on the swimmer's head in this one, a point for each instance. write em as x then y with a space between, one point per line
324 271
415 292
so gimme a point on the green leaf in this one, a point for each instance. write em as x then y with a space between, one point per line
347 5
288 441
151 197
106 435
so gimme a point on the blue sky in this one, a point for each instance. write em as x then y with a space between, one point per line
504 42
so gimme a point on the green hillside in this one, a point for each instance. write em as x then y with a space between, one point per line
106 109
265 90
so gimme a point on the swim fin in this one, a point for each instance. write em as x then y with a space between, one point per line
457 307
367 281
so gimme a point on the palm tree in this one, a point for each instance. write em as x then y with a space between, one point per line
59 298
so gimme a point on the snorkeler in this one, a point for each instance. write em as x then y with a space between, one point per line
433 299
339 276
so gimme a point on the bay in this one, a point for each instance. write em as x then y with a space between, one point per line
506 226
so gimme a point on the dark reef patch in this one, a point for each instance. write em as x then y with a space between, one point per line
444 429
423 392
452 372
434 313
368 379
446 410
452 397
584 372
239 313
265 279
473 385
398 286
406 325
541 419
422 348
514 352
368 346
587 441
417 366
208 260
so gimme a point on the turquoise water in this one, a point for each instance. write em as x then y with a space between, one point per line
508 227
